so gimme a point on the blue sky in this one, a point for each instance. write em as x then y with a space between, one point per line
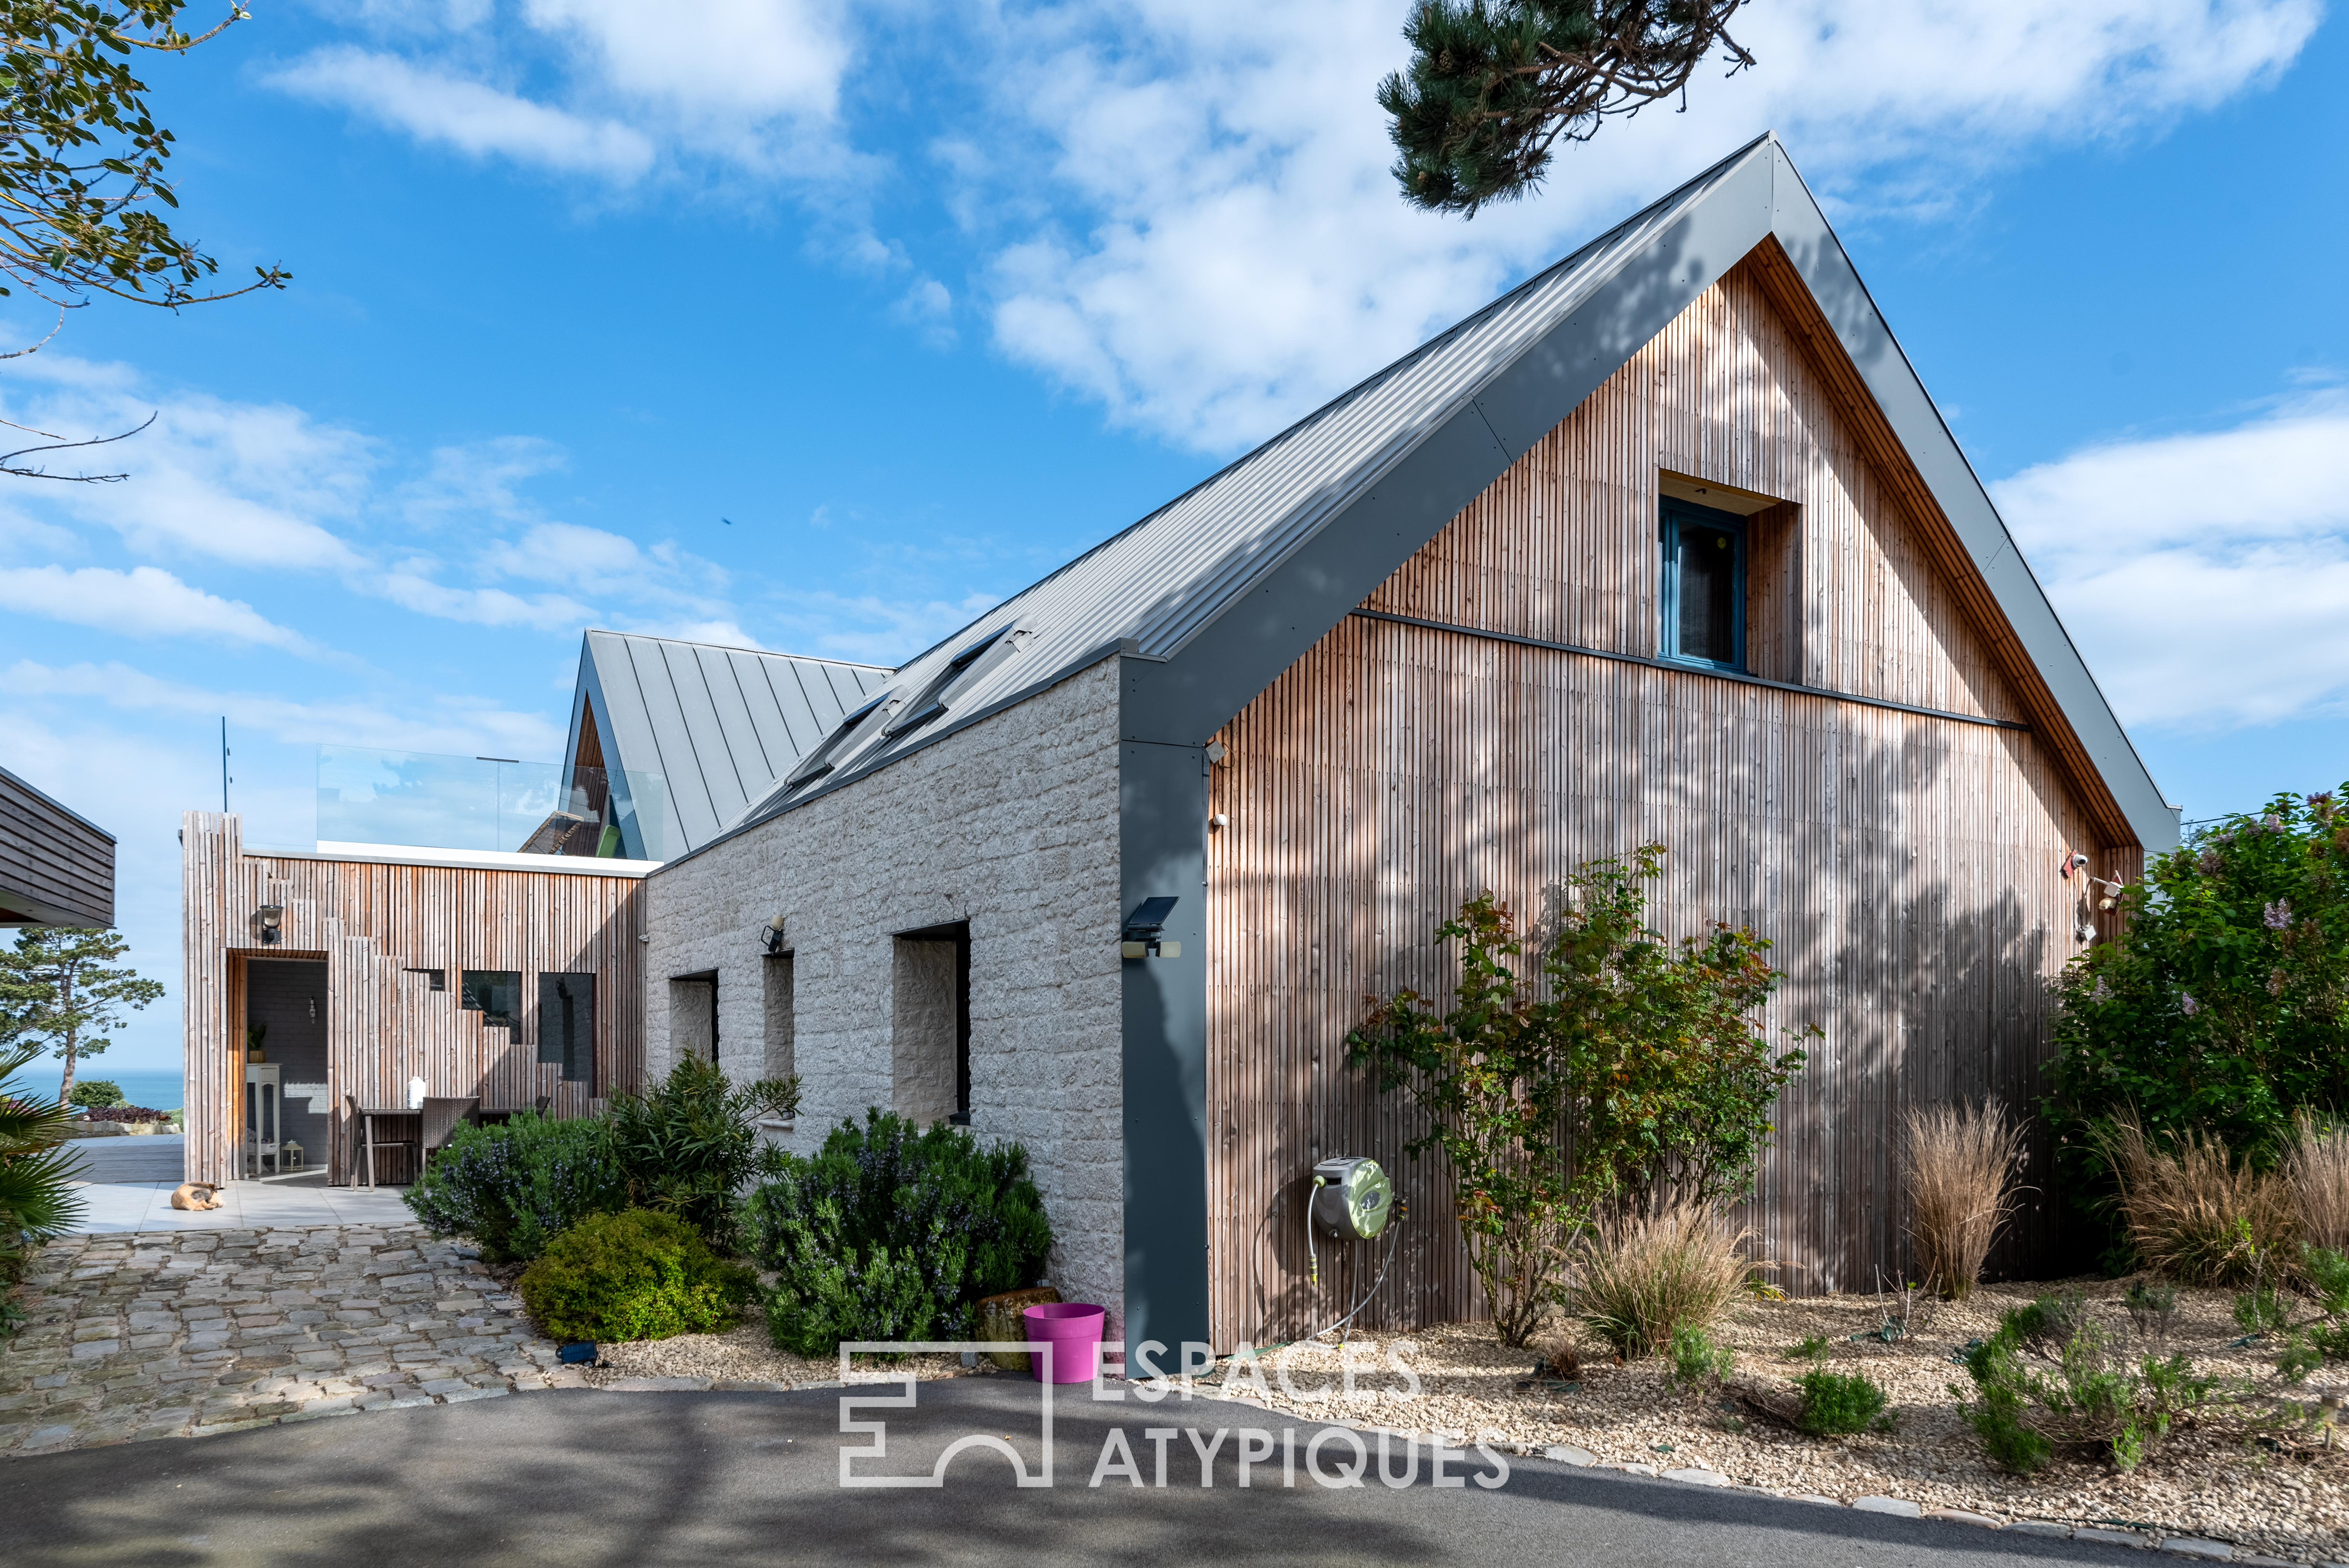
927 299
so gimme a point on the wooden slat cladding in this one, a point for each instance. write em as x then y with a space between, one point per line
56 868
1906 866
374 926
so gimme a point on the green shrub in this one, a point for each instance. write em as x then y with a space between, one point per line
2151 1308
1647 1051
2326 1273
2216 1010
97 1092
2260 1310
1697 1360
894 1232
636 1274
691 1146
1810 1348
1837 1404
2092 1397
514 1186
2047 1325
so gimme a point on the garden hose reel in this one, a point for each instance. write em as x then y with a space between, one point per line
1352 1198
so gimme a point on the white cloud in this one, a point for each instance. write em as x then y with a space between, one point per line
411 585
145 602
717 62
470 115
1245 254
458 728
240 482
870 629
2205 576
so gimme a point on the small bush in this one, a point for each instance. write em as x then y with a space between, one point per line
2193 1212
2326 1272
1837 1404
1642 1278
636 1274
2260 1310
1959 1170
134 1114
894 1232
2092 1396
690 1147
2316 1174
97 1093
1697 1361
2300 1356
514 1188
1810 1348
2151 1309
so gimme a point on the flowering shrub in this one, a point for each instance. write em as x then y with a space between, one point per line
514 1188
2224 1005
892 1232
131 1113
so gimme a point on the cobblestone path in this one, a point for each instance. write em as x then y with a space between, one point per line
171 1333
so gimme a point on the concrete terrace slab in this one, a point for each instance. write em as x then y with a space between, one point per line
117 1206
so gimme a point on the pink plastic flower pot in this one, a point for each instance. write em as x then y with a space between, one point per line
1074 1329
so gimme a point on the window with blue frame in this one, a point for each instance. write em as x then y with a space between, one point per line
1705 585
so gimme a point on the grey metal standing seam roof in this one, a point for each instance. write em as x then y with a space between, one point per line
720 725
1150 590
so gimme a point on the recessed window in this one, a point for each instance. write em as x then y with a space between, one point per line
494 994
693 1015
566 1025
780 1021
929 1025
1705 585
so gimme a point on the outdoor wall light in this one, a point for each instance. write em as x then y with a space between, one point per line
1140 939
269 923
770 935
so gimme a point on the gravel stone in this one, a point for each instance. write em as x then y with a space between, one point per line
1899 1506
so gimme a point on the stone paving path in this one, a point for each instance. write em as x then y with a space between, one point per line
161 1335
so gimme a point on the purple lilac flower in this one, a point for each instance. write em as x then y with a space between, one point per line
2278 915
2188 1004
2103 992
2210 862
2272 822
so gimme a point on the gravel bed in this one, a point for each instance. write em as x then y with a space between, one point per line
2287 1501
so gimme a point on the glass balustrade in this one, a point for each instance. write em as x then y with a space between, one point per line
418 799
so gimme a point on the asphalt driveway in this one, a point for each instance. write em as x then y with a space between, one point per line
585 1479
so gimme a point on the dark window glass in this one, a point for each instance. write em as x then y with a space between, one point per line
566 1024
1705 585
494 994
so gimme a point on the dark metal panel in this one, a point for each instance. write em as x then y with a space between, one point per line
1804 233
1162 828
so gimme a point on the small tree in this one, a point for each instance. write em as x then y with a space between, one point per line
56 988
1672 1084
1494 1077
1631 1077
2223 1007
690 1146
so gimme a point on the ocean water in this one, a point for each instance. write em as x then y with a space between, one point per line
155 1091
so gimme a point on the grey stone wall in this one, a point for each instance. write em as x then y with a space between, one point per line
922 1031
1011 825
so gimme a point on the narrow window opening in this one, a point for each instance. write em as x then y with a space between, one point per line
566 1025
780 985
693 1015
1703 585
930 1025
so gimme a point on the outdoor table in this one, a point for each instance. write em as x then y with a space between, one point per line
405 1125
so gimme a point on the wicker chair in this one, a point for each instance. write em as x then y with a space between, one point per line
441 1119
363 1147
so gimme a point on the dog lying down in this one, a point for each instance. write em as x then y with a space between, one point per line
196 1196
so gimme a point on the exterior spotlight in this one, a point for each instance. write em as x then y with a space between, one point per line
770 935
269 923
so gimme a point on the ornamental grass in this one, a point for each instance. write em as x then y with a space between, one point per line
2194 1213
1641 1277
1958 1168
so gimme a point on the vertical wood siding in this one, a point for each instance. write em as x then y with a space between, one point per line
1905 865
372 924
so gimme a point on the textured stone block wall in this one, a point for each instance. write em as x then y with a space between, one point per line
1011 825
